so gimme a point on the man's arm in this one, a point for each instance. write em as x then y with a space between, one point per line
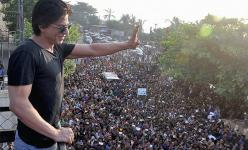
24 110
102 49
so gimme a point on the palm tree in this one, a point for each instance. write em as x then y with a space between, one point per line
132 20
109 14
125 19
141 23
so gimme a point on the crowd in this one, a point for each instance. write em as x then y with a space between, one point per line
108 114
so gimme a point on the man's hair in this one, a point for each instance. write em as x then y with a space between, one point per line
46 12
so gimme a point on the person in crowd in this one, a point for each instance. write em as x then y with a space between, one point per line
1 71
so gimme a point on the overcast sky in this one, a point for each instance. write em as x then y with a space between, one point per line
158 11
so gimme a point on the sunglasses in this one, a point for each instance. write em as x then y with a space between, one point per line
62 28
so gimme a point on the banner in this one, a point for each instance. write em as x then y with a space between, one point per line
142 91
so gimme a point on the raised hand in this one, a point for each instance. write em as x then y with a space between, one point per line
134 40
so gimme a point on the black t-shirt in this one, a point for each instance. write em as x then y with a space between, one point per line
31 64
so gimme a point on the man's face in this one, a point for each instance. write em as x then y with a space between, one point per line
55 33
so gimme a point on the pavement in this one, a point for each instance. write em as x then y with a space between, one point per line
8 120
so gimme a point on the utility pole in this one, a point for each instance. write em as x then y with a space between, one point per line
20 20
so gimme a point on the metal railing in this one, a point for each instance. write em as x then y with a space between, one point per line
8 43
8 122
7 128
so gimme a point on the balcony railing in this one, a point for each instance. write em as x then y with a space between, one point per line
8 122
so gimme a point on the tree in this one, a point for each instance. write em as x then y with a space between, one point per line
10 11
209 52
73 37
28 31
133 20
109 14
74 34
141 23
127 23
3 28
157 35
84 14
125 19
69 67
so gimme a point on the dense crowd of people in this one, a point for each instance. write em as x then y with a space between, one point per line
109 114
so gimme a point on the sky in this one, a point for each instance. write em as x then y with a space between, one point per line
160 12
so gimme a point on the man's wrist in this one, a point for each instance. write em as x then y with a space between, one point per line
55 134
128 45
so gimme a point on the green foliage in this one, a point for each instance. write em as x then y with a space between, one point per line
11 9
74 34
69 67
28 31
84 14
73 37
213 51
157 35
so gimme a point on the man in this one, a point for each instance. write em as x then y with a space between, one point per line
35 75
